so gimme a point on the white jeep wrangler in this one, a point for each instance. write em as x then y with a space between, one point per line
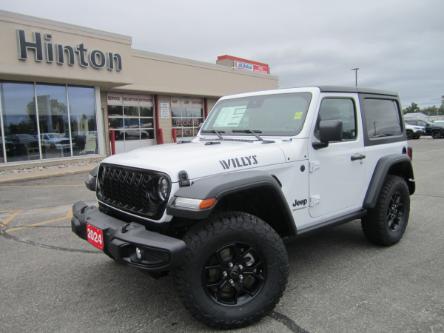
265 166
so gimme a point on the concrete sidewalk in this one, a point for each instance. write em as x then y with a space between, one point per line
44 171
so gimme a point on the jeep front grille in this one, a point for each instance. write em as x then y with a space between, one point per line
131 190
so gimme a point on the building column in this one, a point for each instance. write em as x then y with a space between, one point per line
164 120
100 123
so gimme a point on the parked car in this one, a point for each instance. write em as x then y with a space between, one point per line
413 131
55 141
432 129
21 144
265 166
439 123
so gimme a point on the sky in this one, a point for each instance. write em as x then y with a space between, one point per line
397 44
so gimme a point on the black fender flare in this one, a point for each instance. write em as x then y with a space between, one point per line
222 185
400 165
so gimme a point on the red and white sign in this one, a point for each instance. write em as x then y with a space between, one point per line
245 64
261 68
94 236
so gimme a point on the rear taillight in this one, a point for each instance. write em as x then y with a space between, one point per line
410 152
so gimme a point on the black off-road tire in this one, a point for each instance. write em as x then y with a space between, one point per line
409 134
206 239
377 225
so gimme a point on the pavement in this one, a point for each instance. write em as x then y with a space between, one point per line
52 281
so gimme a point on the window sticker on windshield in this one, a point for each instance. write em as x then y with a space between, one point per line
230 116
298 115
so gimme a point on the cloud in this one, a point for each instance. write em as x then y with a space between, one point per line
397 44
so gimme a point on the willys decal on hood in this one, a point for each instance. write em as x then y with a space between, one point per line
200 160
239 162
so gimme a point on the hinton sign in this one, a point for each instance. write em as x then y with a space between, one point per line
61 54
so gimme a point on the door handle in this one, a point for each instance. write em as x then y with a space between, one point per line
357 156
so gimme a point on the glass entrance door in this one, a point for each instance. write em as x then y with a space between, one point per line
131 117
187 115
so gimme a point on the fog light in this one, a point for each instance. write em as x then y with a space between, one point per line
138 253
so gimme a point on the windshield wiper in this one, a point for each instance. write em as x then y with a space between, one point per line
249 131
218 133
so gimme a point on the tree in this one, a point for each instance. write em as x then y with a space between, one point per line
430 110
412 108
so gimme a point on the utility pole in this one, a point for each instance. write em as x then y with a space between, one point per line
356 69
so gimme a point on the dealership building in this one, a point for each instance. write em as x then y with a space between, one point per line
70 92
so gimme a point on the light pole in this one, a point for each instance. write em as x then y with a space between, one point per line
356 69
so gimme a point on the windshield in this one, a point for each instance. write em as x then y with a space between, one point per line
278 114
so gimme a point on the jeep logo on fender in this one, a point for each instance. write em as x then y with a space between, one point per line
298 203
238 162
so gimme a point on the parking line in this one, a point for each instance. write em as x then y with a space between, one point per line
67 216
10 217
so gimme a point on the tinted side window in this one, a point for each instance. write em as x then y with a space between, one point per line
342 109
382 118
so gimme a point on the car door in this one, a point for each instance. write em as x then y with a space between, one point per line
336 181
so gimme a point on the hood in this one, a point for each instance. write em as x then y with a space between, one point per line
200 159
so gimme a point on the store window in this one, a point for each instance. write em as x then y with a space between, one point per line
115 116
187 115
53 120
82 112
131 118
20 122
2 157
40 123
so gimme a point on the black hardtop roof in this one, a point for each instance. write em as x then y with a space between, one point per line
356 90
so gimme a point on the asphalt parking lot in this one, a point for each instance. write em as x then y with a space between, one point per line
51 281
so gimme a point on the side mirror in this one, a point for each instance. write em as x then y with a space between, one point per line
329 130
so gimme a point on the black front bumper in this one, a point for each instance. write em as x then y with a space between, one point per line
157 252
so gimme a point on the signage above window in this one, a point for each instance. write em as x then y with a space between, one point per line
45 50
243 64
252 67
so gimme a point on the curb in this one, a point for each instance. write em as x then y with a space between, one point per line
31 176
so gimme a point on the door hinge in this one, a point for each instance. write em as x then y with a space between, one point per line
314 165
315 200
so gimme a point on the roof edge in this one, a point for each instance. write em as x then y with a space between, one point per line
332 89
197 63
66 27
360 90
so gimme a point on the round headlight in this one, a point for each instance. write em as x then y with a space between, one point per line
162 188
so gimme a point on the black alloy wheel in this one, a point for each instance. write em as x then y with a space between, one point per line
395 212
234 274
386 223
234 271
